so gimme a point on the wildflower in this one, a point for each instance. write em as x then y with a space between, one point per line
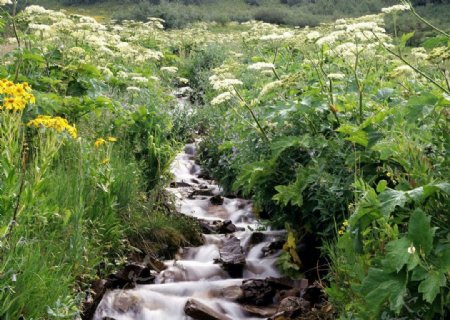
396 8
341 232
112 139
140 80
403 70
411 249
274 36
5 2
261 66
57 123
169 69
221 98
133 89
105 161
336 76
226 84
13 104
313 35
183 80
99 142
270 87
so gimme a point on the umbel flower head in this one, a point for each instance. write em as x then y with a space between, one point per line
56 123
5 2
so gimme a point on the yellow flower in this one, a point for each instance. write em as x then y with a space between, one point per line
105 161
341 232
15 96
99 142
112 139
13 104
345 223
57 123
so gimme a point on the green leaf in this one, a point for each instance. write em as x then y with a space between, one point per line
398 256
281 144
406 37
420 106
288 194
431 285
390 199
381 186
443 257
420 231
380 286
355 134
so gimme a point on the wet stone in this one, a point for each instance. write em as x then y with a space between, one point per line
180 184
199 311
227 227
129 276
263 312
257 292
217 200
232 293
232 257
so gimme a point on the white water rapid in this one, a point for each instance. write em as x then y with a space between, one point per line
197 274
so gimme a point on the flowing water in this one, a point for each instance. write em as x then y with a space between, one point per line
196 274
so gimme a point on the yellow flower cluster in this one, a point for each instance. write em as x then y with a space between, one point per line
57 123
343 228
15 97
101 141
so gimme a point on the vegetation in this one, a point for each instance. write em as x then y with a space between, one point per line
339 133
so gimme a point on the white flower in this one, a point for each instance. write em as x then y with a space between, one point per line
226 84
274 36
221 98
140 80
5 2
270 87
411 249
336 76
169 69
403 70
261 66
419 53
396 8
133 89
313 35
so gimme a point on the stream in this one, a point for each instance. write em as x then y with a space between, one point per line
205 277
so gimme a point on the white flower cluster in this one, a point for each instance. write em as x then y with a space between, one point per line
270 87
261 66
396 8
336 76
221 98
225 84
277 37
169 69
5 2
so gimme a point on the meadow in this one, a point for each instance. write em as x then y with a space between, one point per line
339 133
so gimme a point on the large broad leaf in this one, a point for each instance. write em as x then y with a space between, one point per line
390 199
398 256
380 286
355 134
422 193
281 144
431 285
368 210
420 231
421 106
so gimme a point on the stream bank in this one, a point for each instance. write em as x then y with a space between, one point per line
233 275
